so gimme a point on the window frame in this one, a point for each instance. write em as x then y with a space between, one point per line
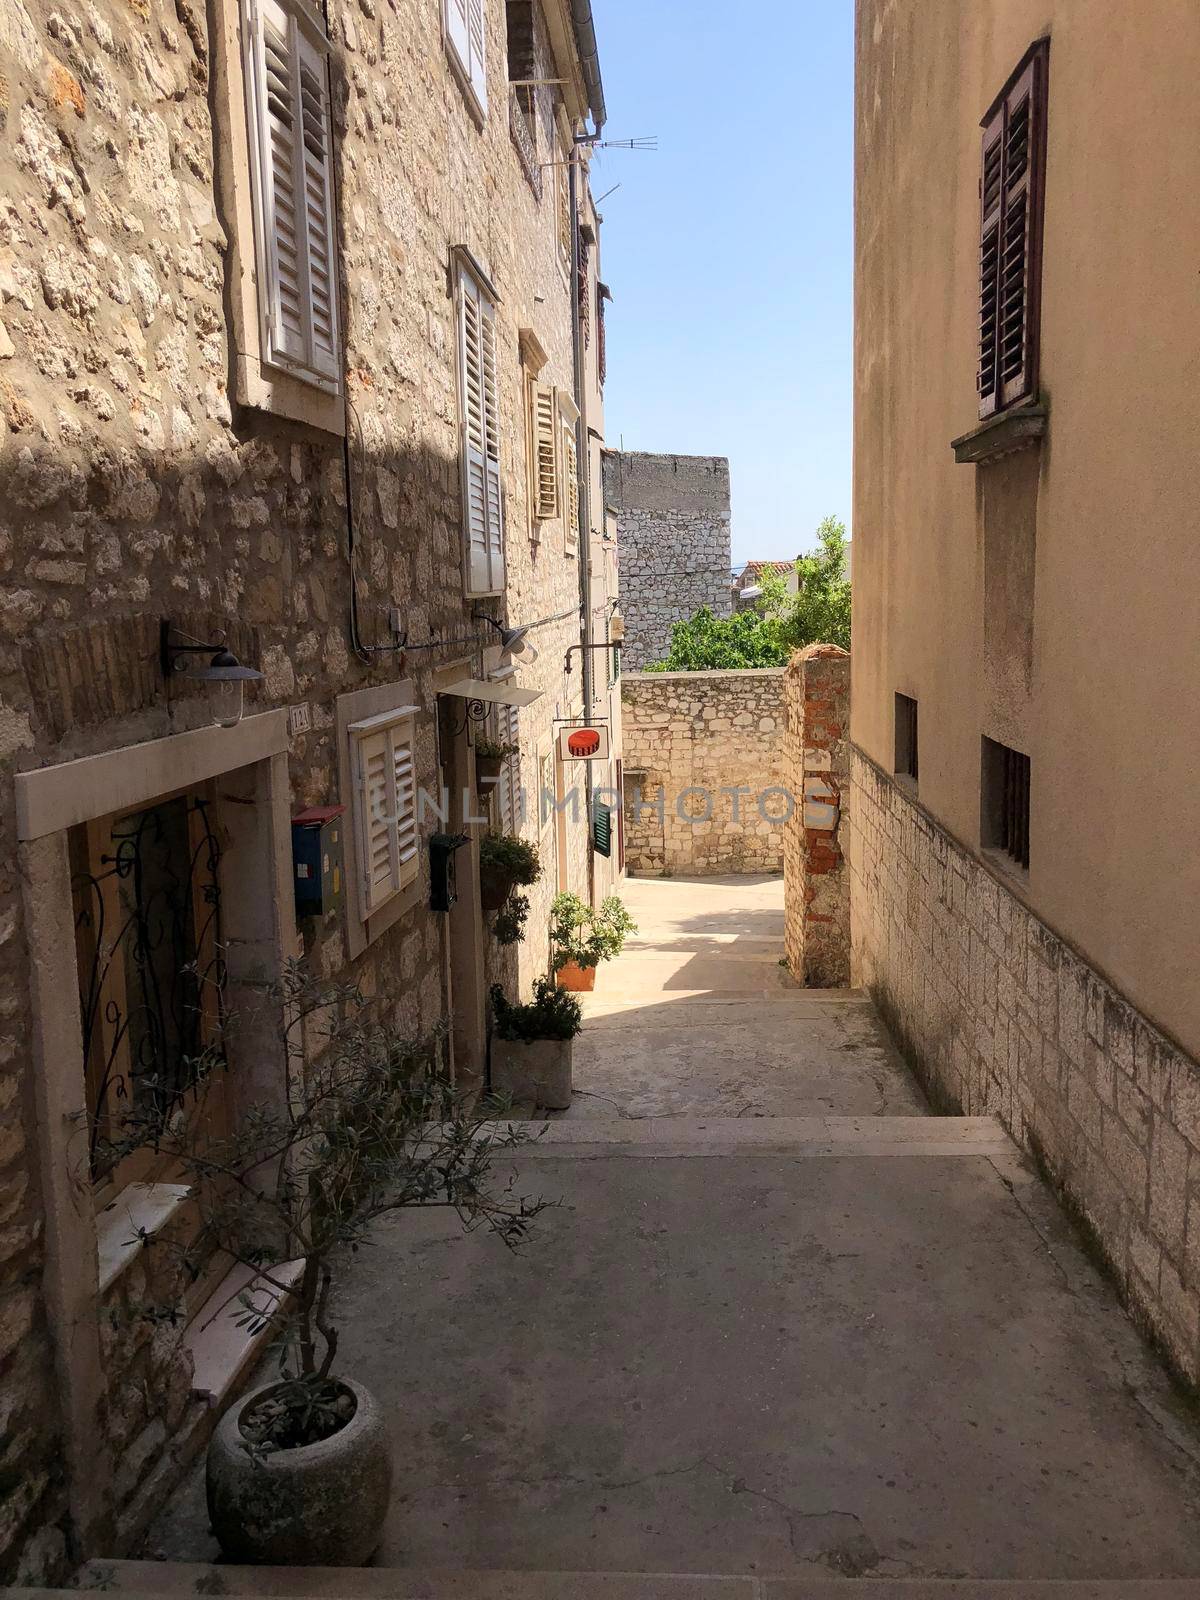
304 22
472 286
464 34
906 762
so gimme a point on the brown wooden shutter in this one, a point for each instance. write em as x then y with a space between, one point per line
1011 191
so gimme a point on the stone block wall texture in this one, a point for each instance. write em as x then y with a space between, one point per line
816 872
1000 1017
673 544
133 488
691 738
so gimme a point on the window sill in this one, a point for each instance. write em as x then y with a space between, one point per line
139 1212
1004 866
221 1350
262 388
1022 428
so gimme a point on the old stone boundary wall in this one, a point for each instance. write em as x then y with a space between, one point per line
688 737
673 543
816 874
1000 1016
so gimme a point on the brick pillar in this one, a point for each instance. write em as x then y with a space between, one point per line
816 872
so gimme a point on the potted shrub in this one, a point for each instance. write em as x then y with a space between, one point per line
581 938
299 1471
531 1045
504 863
490 756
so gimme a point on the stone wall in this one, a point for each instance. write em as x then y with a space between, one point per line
1000 1016
691 740
815 870
135 487
673 543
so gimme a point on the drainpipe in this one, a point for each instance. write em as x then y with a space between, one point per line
584 460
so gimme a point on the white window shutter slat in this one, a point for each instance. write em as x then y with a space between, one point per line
458 32
404 775
483 510
317 206
545 450
379 867
275 78
477 30
571 473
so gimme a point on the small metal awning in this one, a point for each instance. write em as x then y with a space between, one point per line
497 694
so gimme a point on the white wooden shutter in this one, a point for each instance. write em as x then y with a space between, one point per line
466 30
385 807
317 206
483 512
571 474
291 135
544 429
378 853
507 732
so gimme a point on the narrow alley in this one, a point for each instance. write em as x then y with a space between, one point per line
783 1327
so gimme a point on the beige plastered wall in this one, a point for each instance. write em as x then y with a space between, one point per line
1102 692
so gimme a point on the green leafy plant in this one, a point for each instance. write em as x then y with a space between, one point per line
507 856
494 750
551 1014
509 926
778 623
371 1124
584 936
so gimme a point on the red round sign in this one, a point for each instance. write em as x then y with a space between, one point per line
583 742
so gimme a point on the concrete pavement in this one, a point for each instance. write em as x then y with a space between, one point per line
771 1347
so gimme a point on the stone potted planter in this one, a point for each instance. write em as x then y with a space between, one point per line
531 1046
490 756
319 1504
504 863
581 938
300 1471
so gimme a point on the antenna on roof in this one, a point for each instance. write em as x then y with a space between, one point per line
647 141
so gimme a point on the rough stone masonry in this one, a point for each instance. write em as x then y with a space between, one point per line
673 543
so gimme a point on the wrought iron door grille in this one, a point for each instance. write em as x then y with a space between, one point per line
151 967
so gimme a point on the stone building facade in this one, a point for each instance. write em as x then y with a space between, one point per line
291 410
1026 777
707 784
672 516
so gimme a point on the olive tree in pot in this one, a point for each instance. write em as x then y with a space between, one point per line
531 1045
505 863
299 1471
581 938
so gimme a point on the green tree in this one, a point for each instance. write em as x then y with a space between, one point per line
778 623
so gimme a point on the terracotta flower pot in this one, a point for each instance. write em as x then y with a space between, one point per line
320 1504
576 979
494 887
535 1069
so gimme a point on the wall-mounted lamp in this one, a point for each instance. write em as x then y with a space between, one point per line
513 641
212 664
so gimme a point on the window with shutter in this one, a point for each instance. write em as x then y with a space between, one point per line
465 23
571 487
479 398
507 790
544 432
385 809
291 140
562 192
1011 190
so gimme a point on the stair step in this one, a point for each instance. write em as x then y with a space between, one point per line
169 1580
800 1136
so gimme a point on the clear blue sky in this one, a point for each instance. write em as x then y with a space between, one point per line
729 251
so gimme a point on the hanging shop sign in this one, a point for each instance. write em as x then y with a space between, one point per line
587 743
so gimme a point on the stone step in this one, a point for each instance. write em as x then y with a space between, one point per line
871 1137
169 1580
